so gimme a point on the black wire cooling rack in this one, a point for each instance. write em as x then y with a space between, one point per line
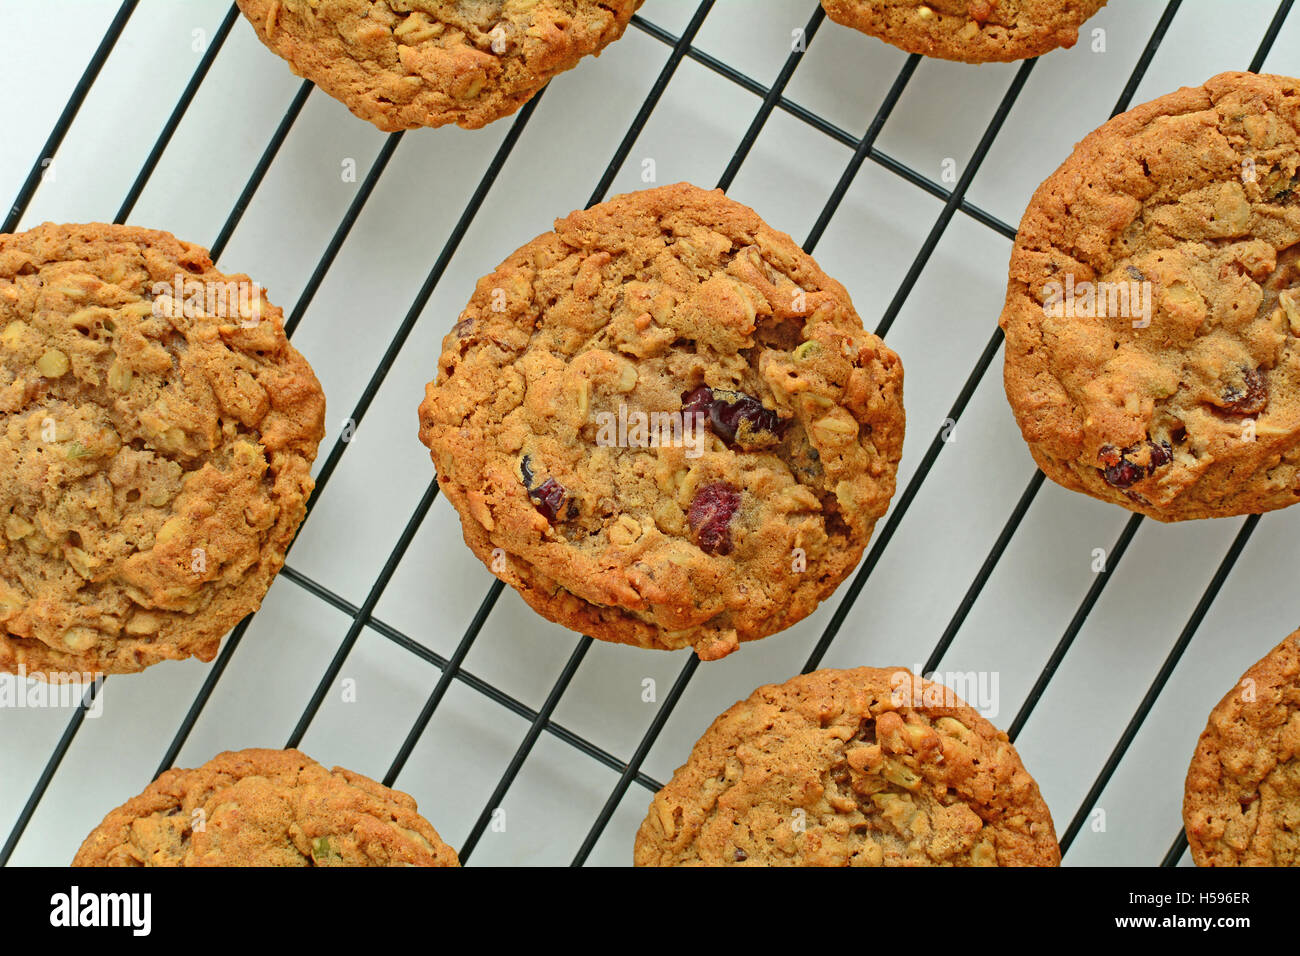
451 668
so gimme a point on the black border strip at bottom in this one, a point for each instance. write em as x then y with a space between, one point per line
1148 904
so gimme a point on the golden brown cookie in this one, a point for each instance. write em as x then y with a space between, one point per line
972 31
664 425
1153 306
1242 802
265 808
861 767
156 437
402 64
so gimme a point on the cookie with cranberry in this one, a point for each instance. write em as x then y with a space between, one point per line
1152 315
864 767
664 425
157 432
972 31
1241 806
402 64
265 808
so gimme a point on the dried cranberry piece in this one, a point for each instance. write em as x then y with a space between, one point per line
710 514
738 419
1123 474
1121 470
548 498
1251 397
698 401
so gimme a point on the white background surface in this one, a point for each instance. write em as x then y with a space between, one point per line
787 178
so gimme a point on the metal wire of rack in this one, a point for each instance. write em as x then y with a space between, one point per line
451 668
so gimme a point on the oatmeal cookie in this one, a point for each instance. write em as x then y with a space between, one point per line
664 425
972 31
1153 306
156 437
265 808
865 767
1242 802
402 64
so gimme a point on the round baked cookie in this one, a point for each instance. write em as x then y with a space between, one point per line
402 64
1153 306
864 767
156 436
664 425
972 31
265 808
1242 802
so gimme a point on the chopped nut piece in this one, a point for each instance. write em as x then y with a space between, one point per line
143 622
11 601
80 638
984 855
119 376
171 528
624 531
13 333
16 528
53 364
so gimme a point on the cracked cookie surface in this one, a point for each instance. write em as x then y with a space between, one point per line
403 64
972 31
1153 306
154 454
680 303
1241 806
864 767
265 808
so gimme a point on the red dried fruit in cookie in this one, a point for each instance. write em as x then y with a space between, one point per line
740 420
1117 470
1250 397
710 514
548 498
698 401
1124 468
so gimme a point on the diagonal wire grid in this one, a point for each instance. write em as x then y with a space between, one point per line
452 668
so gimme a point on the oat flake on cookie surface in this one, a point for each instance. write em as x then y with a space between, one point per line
154 456
864 767
402 64
265 808
680 303
1166 379
972 31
